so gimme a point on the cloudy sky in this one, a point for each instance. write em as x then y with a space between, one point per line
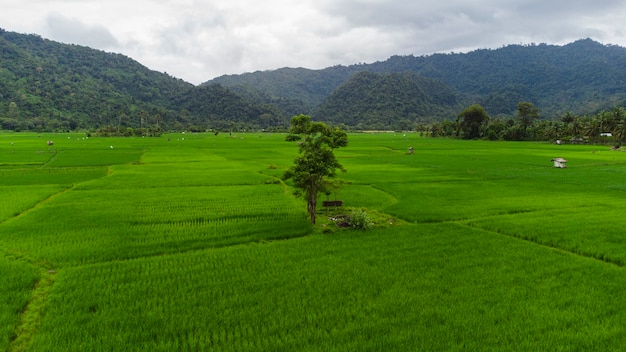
197 40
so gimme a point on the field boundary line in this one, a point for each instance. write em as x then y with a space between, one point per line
378 188
513 212
600 258
32 313
38 204
56 153
150 256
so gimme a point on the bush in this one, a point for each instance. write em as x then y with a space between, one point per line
360 220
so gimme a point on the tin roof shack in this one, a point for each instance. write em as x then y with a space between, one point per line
560 163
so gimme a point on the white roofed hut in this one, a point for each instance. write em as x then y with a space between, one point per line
560 163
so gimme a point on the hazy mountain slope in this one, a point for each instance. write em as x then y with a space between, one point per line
45 85
45 79
309 87
580 77
393 100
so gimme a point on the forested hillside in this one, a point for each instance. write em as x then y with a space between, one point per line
389 101
45 85
308 87
581 78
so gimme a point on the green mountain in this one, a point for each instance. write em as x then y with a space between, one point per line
384 101
288 88
309 88
45 85
582 77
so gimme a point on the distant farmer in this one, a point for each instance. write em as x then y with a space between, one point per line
559 163
411 150
50 143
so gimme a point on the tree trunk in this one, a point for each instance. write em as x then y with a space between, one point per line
312 207
312 203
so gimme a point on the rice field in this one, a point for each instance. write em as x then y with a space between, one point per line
192 242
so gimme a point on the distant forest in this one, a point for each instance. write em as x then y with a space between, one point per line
49 86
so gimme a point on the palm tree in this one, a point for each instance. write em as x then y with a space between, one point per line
593 129
618 113
575 127
568 118
607 121
554 130
620 132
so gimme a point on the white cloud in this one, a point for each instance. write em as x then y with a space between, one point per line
73 31
197 40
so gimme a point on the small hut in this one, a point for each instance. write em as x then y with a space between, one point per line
560 163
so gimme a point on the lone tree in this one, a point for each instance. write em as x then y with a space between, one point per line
316 161
473 121
527 113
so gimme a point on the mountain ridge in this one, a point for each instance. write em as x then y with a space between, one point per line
559 79
45 85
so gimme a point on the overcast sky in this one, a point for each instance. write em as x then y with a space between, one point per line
197 40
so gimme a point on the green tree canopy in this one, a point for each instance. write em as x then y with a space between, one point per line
472 121
316 161
527 113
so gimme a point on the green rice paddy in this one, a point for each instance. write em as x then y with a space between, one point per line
192 242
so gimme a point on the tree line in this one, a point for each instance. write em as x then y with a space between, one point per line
607 126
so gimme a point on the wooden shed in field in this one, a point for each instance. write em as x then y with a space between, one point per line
559 162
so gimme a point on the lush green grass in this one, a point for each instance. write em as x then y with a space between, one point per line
17 280
109 220
16 200
395 290
594 230
192 242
